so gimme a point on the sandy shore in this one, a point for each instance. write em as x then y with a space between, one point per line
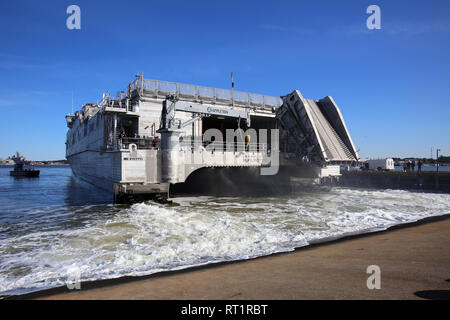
414 263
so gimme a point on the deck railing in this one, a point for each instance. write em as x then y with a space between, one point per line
211 146
221 146
160 88
141 143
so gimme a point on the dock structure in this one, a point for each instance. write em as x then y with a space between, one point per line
158 133
384 179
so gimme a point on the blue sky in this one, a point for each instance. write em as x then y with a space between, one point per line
392 85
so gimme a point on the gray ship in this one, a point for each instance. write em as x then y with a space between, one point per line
158 133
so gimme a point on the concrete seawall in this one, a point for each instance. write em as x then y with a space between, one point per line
428 180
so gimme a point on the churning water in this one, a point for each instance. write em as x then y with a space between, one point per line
53 225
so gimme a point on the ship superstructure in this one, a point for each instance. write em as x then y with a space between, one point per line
158 133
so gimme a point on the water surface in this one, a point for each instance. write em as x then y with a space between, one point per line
53 227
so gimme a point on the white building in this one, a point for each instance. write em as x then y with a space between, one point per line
383 164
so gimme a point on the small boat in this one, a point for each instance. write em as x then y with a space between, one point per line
20 171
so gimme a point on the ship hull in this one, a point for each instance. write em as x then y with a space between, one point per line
100 169
105 170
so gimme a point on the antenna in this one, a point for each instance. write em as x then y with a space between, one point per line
232 87
72 102
232 81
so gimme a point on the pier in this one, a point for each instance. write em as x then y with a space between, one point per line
427 180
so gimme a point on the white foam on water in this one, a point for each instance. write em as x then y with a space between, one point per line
147 238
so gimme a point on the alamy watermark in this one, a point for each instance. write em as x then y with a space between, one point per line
374 280
258 148
74 20
73 281
374 20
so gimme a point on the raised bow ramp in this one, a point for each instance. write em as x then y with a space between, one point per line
316 130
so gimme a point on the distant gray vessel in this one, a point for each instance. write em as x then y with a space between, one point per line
158 133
